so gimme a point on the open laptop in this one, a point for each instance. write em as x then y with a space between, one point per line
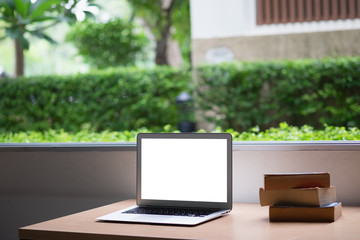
182 179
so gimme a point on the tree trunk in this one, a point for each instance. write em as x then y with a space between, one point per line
19 59
161 49
161 44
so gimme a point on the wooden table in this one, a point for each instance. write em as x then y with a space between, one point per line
246 221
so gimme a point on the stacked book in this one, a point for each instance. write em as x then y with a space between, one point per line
306 197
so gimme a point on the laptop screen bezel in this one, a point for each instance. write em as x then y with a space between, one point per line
185 204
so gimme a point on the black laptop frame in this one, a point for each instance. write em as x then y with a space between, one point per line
185 204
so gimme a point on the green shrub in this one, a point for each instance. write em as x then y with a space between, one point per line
114 43
242 95
313 92
293 133
121 99
282 133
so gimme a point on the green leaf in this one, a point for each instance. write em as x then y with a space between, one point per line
70 18
44 18
42 35
9 9
13 33
23 7
39 8
10 3
24 42
16 34
89 15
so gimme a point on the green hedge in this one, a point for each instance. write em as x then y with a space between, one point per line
121 99
313 92
282 133
242 95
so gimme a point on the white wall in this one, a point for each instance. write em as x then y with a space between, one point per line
235 18
214 18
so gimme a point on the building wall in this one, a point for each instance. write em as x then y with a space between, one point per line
277 47
226 30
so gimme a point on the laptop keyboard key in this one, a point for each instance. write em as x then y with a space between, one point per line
171 211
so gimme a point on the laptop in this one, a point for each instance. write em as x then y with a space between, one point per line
182 179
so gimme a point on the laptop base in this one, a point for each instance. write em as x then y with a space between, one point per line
120 216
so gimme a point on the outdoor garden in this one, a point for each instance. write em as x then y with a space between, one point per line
119 80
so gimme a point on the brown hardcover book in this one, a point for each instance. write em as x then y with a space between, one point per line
296 180
327 213
315 197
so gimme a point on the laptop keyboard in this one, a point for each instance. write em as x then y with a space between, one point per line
172 211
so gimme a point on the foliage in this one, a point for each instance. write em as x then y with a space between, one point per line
239 96
171 21
182 29
118 99
25 17
313 92
283 133
20 15
114 43
293 133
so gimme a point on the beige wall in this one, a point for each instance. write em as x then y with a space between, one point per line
286 46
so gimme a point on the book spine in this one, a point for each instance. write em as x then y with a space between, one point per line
315 197
289 181
305 214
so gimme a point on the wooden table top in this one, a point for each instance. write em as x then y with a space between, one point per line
246 221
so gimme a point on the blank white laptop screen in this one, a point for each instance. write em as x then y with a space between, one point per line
184 169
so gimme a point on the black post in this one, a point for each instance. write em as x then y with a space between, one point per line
186 118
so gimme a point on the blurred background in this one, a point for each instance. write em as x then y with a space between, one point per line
171 65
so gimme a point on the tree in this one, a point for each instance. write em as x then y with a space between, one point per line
24 18
166 19
114 43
